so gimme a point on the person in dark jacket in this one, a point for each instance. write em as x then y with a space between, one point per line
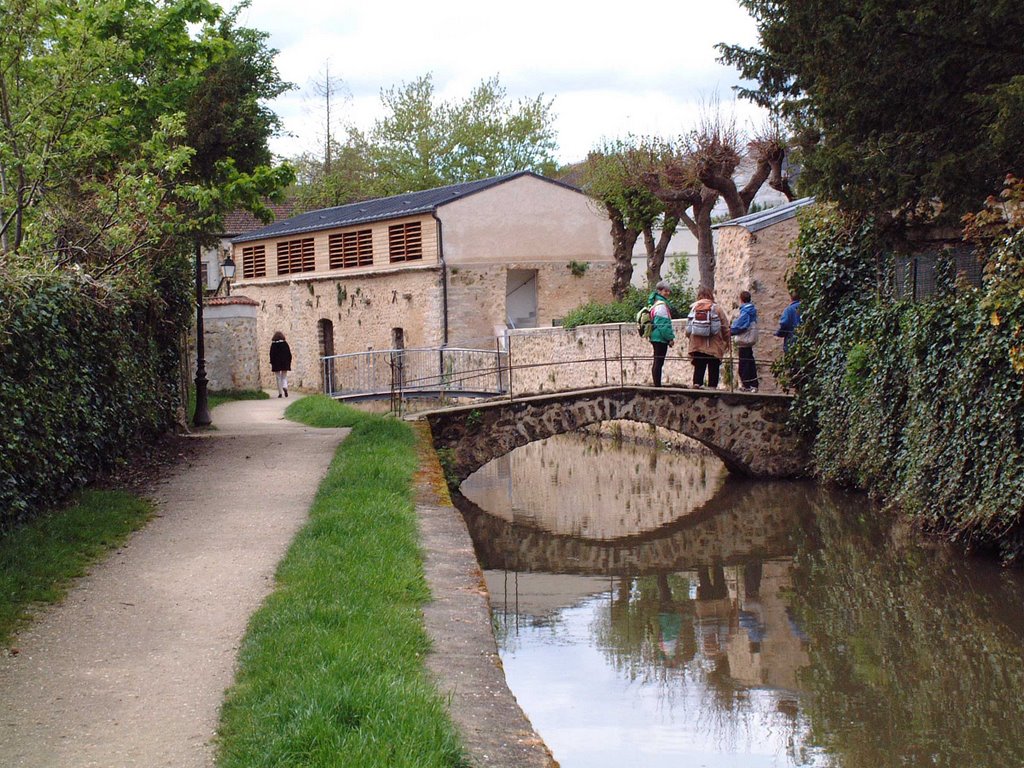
280 362
662 334
789 321
744 332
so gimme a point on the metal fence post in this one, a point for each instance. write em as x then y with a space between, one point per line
604 345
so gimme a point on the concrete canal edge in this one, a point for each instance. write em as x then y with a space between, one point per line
464 657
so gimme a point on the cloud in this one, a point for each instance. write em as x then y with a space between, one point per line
644 67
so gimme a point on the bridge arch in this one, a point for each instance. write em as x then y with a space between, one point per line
747 432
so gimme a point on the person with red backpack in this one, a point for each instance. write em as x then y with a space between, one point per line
707 327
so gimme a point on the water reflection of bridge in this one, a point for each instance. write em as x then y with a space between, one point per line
744 521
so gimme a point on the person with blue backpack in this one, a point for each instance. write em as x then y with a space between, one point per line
662 334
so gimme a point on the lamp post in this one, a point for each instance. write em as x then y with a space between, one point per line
228 271
201 417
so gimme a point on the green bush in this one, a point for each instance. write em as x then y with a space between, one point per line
921 403
624 310
88 373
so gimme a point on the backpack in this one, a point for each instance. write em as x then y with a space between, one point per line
644 322
704 320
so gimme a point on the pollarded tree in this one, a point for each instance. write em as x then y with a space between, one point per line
610 176
903 109
691 174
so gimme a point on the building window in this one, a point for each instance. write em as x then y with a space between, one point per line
405 241
351 249
295 256
254 261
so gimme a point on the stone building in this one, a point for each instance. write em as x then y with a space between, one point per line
753 253
454 266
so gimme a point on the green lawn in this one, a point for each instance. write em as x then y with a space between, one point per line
331 670
39 559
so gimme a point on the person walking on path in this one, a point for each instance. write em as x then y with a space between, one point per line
789 321
744 333
663 335
707 327
280 362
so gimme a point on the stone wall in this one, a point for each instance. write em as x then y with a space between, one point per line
476 296
558 359
229 340
760 263
362 311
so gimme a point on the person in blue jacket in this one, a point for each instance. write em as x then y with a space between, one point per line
789 321
662 334
744 332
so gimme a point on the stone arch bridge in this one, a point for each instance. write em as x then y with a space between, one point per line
746 431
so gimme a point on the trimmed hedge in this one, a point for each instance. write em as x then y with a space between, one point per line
88 374
921 403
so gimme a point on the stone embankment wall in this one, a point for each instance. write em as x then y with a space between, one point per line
548 360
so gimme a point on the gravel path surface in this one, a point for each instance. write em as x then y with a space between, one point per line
131 668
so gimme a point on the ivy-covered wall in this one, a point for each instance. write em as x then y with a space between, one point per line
921 403
88 374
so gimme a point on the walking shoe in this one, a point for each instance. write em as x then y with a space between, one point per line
279 394
286 393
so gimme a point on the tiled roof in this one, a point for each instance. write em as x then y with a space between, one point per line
753 222
238 222
224 301
367 211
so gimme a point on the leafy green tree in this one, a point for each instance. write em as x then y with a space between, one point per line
900 109
123 126
420 143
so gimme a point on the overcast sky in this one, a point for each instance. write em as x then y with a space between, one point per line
645 67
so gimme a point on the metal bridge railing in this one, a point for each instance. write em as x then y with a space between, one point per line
436 370
461 372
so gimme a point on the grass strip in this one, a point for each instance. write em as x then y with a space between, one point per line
331 670
39 559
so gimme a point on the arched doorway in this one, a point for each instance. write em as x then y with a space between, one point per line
325 343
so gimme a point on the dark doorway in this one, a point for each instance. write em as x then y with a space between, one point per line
325 343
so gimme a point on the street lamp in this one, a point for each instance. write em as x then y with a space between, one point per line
228 271
201 417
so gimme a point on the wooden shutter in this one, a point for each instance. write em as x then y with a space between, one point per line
405 241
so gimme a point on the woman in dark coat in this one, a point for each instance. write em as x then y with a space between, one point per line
280 362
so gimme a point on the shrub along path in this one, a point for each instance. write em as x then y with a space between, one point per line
131 668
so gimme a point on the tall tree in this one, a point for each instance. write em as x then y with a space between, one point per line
904 109
609 176
124 124
421 143
694 172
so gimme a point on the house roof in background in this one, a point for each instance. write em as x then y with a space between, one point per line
409 204
753 222
238 222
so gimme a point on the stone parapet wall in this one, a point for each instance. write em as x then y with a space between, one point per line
229 340
547 360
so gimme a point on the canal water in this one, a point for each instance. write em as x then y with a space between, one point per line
652 610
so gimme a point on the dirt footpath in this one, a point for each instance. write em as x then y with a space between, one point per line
131 668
